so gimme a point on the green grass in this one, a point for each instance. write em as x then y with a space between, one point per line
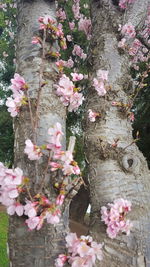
3 239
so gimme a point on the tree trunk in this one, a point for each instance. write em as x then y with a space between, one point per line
116 172
36 248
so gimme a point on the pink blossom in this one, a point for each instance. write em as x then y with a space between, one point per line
60 200
78 51
13 177
69 38
18 83
33 151
99 82
72 243
53 217
114 217
55 137
69 63
76 10
97 250
76 100
76 76
92 115
12 191
36 40
55 166
17 208
85 25
83 251
76 170
29 209
68 169
33 222
45 21
64 87
66 157
102 75
99 87
4 197
59 262
122 44
14 103
61 14
128 30
72 25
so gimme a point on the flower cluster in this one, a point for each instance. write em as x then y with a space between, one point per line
12 186
82 251
54 31
76 9
114 216
18 86
124 3
78 51
85 25
136 49
68 93
99 82
61 14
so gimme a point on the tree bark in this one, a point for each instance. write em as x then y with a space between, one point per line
116 172
36 248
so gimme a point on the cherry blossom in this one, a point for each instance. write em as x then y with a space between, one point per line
61 14
114 217
33 151
100 81
17 83
17 208
69 97
55 137
92 115
77 77
72 25
82 251
76 9
60 261
33 222
128 30
78 51
85 25
14 104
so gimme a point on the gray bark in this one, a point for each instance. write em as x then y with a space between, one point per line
35 248
116 172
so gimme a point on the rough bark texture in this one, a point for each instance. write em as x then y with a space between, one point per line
35 248
121 171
